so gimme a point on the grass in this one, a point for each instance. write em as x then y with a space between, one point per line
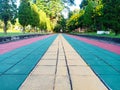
10 33
95 34
13 33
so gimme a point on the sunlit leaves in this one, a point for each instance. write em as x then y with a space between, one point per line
34 16
111 15
75 20
24 13
8 12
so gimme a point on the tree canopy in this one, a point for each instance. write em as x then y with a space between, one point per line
47 14
98 15
8 12
24 13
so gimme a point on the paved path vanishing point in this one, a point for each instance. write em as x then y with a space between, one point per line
59 62
61 68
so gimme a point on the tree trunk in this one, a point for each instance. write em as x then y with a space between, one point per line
116 32
23 31
5 27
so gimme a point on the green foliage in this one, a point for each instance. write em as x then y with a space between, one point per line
111 15
84 3
61 25
8 12
1 24
75 21
88 16
52 9
49 25
58 28
24 13
35 20
92 13
43 17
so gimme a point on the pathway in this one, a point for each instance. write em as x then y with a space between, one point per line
63 63
61 68
17 44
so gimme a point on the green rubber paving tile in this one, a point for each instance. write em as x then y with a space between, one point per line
94 49
8 54
112 62
22 61
114 55
103 69
4 67
117 67
88 56
20 69
95 62
29 62
112 81
21 49
107 57
10 61
104 63
11 82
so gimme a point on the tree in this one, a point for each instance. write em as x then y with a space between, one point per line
50 25
75 21
64 1
8 12
61 24
93 14
111 15
35 20
52 8
83 4
24 13
43 20
88 16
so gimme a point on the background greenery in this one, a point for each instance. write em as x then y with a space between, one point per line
39 16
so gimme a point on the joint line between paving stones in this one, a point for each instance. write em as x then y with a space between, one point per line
67 67
56 67
22 60
17 52
92 69
39 58
98 58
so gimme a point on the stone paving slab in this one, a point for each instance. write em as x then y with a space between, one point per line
62 83
87 83
81 70
61 68
62 71
38 82
75 62
44 70
61 63
47 62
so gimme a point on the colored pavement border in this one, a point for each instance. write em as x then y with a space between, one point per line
103 62
16 65
61 68
6 47
108 46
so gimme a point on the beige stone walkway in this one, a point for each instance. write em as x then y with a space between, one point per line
61 68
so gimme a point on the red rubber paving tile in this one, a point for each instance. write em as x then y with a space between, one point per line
13 45
107 46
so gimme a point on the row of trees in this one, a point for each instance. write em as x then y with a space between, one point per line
8 12
97 15
39 14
